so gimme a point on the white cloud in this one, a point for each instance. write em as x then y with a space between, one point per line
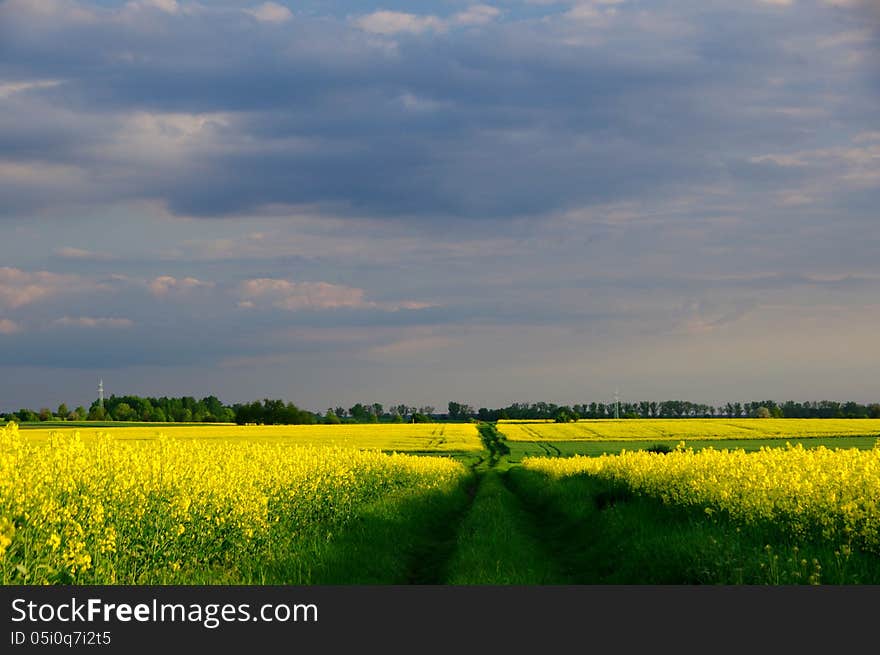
166 6
160 138
19 288
166 285
9 327
9 88
476 15
395 22
92 322
270 12
863 137
779 160
292 296
285 294
777 3
54 9
413 346
68 252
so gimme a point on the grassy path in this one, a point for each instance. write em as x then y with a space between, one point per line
498 542
505 525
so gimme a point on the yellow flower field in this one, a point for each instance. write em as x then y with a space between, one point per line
689 429
106 510
401 437
830 494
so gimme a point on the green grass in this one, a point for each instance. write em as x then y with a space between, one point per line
398 539
498 542
62 425
601 534
521 449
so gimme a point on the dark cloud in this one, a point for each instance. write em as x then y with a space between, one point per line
586 182
518 118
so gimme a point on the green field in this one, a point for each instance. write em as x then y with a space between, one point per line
520 449
689 429
224 504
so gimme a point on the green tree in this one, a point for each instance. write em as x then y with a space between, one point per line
124 412
26 415
97 413
359 412
63 412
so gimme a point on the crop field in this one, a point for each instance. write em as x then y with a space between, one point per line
520 450
400 437
824 493
256 505
119 511
689 429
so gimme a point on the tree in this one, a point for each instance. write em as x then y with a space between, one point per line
25 415
331 418
45 414
79 414
359 412
459 411
124 412
97 413
761 412
63 412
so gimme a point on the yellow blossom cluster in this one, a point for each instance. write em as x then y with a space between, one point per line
400 437
109 511
816 493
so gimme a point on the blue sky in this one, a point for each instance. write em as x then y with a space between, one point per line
334 202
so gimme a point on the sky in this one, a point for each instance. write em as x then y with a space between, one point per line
397 202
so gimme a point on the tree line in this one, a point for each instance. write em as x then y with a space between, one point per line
682 409
187 409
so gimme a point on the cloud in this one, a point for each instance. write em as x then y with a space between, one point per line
412 346
779 160
476 15
7 89
68 252
396 22
270 12
166 285
288 295
294 296
44 10
19 288
91 322
165 6
9 327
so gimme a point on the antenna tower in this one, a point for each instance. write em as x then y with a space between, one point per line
101 393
